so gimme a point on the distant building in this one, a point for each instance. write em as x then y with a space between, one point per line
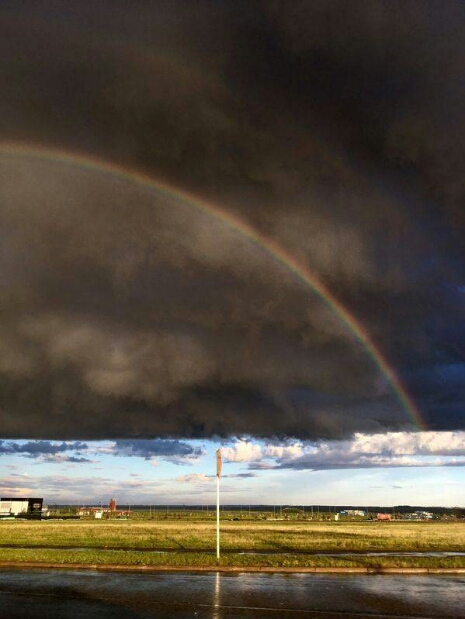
103 512
383 516
352 513
91 511
21 506
419 515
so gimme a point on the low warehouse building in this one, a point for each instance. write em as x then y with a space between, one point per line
21 506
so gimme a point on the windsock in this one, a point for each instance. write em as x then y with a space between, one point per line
219 462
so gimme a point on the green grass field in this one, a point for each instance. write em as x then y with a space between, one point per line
289 544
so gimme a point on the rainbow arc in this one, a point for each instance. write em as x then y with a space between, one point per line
268 245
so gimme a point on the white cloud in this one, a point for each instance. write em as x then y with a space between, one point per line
410 443
247 451
73 490
195 478
294 450
243 451
362 450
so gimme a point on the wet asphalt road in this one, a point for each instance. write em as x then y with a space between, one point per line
44 594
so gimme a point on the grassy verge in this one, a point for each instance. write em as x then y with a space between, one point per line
260 536
116 542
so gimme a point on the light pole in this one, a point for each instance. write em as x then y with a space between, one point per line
219 466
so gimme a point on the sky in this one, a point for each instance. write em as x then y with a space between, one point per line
238 225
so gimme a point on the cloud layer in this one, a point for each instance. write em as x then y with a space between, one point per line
178 452
391 449
332 129
47 451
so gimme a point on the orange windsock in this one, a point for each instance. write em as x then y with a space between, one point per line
219 462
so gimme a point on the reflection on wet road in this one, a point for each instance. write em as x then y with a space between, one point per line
87 595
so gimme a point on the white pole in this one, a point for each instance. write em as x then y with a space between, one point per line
217 516
219 466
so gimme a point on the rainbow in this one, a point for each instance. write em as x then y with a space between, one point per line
268 245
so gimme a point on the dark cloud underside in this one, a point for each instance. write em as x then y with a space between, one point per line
336 129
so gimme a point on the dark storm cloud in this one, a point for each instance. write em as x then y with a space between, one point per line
334 128
35 449
144 317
